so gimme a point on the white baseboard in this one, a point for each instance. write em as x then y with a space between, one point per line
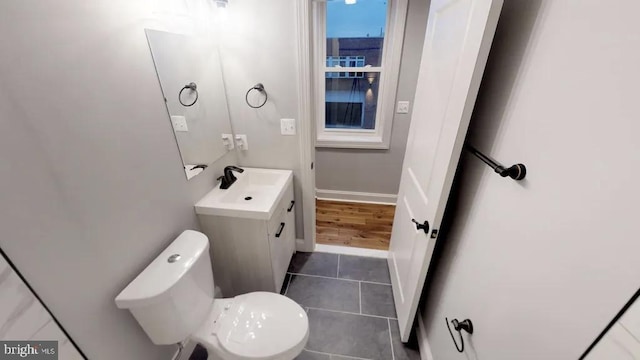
301 245
347 250
363 197
423 342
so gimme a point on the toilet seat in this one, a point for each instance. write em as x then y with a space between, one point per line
258 325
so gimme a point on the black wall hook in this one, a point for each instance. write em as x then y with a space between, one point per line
459 326
516 172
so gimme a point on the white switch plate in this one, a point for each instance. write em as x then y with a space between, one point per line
179 123
241 141
403 107
227 141
288 126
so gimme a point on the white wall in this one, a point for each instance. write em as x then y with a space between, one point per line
259 46
378 171
541 266
93 187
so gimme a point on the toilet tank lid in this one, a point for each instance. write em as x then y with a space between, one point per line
165 271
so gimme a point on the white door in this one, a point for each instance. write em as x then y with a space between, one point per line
457 43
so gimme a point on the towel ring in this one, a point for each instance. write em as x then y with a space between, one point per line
193 87
261 89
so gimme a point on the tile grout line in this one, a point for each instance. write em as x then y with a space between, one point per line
360 296
330 354
328 277
351 313
393 355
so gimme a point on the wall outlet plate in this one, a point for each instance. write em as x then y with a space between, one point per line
179 123
403 107
227 141
241 141
288 126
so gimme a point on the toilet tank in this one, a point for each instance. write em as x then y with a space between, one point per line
174 294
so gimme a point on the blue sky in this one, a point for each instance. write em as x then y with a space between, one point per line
357 20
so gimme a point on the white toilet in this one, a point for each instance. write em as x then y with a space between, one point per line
173 301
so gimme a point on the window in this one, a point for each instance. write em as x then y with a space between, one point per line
357 46
346 115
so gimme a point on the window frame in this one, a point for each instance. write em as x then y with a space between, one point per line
380 136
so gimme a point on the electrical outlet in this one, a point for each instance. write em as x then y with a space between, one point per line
227 141
241 141
179 123
403 107
288 126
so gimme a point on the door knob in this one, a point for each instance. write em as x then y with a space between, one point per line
424 226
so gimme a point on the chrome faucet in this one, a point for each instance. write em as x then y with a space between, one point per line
228 178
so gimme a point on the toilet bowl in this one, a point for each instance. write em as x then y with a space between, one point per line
172 299
259 325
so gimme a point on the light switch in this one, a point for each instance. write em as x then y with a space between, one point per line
403 107
179 123
288 126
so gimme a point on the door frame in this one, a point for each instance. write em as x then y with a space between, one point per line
306 111
306 135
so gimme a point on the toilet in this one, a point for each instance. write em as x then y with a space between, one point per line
172 299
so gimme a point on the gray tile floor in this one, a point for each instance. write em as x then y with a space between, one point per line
350 307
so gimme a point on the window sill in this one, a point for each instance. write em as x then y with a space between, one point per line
344 141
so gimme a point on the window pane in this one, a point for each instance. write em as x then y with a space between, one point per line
355 32
351 99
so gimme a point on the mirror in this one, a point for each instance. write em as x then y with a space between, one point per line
621 338
190 76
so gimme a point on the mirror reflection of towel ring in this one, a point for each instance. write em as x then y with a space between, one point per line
260 89
191 86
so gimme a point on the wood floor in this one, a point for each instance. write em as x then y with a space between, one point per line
354 224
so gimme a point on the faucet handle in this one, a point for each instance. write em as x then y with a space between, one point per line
234 168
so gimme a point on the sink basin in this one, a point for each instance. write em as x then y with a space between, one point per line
254 195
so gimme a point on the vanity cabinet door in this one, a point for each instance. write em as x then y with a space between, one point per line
282 237
290 214
280 254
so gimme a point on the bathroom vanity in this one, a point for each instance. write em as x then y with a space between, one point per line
251 228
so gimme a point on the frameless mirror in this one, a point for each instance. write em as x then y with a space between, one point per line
190 76
620 340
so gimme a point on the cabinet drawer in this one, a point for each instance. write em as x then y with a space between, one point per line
275 222
282 206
